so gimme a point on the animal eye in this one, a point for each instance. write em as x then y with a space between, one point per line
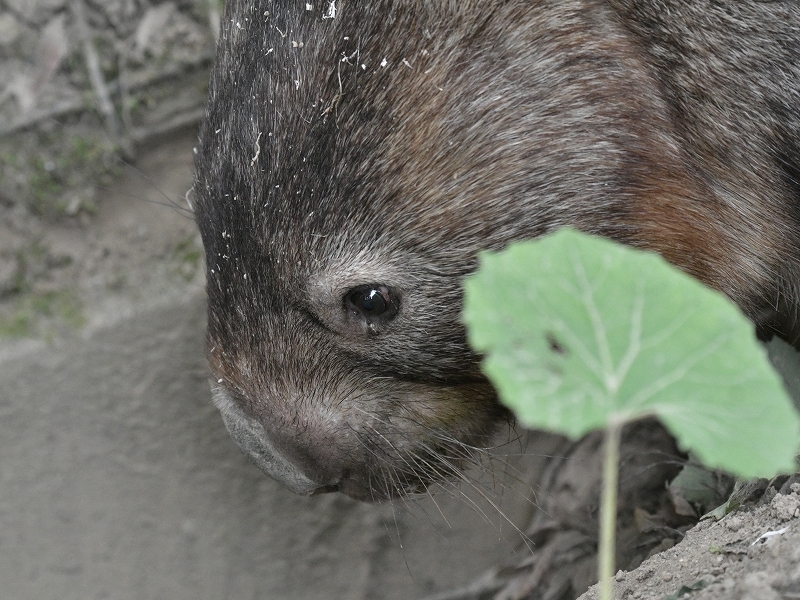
371 301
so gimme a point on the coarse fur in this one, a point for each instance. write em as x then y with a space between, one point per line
382 144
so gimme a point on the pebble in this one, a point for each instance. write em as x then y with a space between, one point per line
8 275
734 523
9 29
785 507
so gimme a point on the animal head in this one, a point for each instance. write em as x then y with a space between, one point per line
351 167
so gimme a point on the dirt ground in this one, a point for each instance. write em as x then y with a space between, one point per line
82 85
60 270
751 554
72 239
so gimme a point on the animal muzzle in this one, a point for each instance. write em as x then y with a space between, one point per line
270 455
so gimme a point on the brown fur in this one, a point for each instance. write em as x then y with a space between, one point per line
391 143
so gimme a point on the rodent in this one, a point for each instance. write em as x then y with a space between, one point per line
355 157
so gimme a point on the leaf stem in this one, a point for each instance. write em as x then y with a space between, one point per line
608 507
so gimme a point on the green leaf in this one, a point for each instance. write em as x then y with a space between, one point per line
579 331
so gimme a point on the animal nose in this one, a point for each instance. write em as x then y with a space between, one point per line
268 455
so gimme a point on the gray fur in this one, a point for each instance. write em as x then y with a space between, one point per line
388 145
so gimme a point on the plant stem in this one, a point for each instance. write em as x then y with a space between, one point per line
608 507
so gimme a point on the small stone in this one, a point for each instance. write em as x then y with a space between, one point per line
9 29
9 271
73 206
667 577
620 576
785 507
734 523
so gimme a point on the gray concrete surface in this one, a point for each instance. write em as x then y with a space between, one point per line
119 481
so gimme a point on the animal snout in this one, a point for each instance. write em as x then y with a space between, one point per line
275 454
